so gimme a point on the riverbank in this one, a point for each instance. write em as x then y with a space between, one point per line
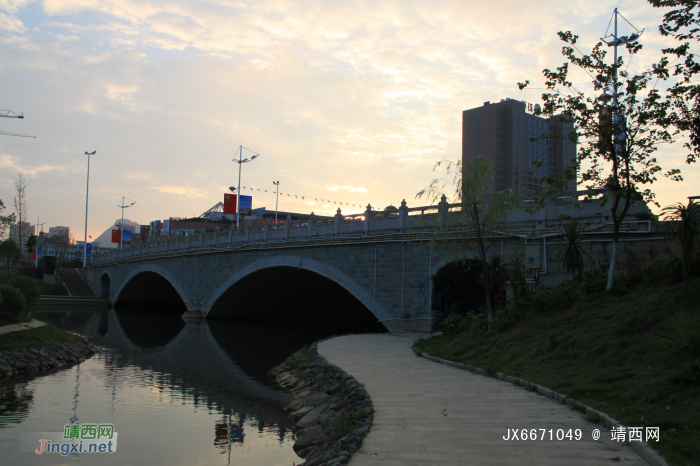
631 356
334 412
36 357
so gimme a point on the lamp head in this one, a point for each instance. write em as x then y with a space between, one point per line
232 188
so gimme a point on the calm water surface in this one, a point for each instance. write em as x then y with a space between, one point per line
178 393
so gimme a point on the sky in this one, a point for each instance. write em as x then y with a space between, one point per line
345 101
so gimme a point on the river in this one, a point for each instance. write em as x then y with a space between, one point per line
177 392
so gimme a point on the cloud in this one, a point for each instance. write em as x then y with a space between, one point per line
192 193
11 24
351 189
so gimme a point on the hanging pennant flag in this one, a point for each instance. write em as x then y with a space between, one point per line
302 198
251 189
296 196
266 190
259 190
316 199
287 195
243 187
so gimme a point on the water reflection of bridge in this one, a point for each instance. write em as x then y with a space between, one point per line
192 363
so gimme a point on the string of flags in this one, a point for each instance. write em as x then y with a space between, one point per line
303 198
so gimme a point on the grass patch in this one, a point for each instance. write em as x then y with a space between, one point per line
33 338
58 289
350 423
610 351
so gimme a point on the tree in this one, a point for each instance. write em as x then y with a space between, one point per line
478 224
20 203
61 245
682 24
571 254
617 133
686 223
9 251
5 221
32 242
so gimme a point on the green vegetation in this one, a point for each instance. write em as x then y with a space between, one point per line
27 286
33 338
633 352
350 423
14 304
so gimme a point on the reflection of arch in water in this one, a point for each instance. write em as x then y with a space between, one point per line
151 284
195 360
293 287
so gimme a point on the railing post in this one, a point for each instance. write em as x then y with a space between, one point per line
368 219
338 222
288 226
247 234
201 238
216 237
230 235
443 210
189 240
403 213
312 220
266 226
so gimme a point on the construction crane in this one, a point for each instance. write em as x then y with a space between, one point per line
11 114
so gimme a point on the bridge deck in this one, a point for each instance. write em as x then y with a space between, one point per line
430 414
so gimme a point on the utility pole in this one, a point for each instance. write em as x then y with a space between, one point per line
277 184
121 225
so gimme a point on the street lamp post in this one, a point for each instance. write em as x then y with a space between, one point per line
240 160
276 183
87 192
121 225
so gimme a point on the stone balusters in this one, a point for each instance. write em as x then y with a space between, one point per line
443 209
287 227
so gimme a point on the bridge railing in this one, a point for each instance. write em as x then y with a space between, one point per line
371 223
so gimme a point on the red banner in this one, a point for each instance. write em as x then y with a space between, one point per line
230 203
116 236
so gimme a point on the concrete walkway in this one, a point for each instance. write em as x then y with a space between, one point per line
21 326
431 414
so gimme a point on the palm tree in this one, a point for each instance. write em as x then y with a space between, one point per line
571 256
516 275
686 220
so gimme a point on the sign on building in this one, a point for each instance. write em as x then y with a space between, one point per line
246 203
126 235
116 236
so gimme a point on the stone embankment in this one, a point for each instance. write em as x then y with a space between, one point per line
333 411
31 361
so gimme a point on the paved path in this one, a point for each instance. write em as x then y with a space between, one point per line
21 326
431 414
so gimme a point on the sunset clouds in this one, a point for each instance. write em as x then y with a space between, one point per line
358 96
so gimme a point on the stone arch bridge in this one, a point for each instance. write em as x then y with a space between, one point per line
381 258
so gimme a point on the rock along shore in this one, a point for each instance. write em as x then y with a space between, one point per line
31 361
333 412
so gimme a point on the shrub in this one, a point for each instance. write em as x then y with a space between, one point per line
72 264
685 331
28 287
663 269
504 318
30 271
455 324
13 303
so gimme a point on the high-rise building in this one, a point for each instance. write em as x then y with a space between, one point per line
27 231
501 132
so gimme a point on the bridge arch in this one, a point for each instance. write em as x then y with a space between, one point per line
105 284
157 270
311 265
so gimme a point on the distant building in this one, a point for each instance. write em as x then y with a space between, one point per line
27 231
501 132
59 231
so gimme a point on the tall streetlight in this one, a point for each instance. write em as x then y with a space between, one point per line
240 160
87 192
276 183
121 225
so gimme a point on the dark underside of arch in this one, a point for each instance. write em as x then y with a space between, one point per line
292 294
